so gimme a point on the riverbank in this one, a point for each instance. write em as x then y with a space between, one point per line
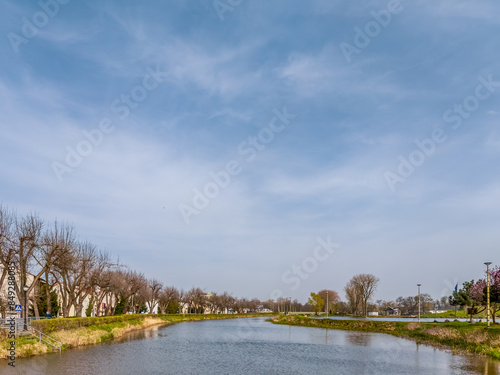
73 332
443 315
457 336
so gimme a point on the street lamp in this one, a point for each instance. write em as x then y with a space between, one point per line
25 288
487 293
419 302
290 305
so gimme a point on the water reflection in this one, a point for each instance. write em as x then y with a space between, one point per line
243 346
149 333
358 338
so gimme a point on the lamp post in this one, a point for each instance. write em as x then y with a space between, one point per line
419 302
25 288
327 303
487 293
290 305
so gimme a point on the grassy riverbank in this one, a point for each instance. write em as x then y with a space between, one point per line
460 314
459 336
73 332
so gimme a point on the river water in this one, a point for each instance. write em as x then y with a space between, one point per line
253 346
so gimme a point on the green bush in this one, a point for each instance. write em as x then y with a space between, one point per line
88 311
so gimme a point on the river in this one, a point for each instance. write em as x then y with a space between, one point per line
253 346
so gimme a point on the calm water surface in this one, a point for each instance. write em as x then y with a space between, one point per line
254 346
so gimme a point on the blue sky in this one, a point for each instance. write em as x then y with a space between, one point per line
179 87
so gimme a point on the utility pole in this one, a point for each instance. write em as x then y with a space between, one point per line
487 293
419 302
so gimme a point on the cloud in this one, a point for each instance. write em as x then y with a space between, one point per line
322 176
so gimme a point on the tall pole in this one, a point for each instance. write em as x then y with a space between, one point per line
25 312
25 288
487 293
419 302
327 304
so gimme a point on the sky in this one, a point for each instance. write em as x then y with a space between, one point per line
262 148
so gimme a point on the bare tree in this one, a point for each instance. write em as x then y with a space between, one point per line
104 290
7 244
27 242
226 301
98 280
360 290
57 243
133 289
153 289
195 298
76 272
168 296
330 300
116 290
353 298
212 302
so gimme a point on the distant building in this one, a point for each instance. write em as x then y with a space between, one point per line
372 313
438 311
392 311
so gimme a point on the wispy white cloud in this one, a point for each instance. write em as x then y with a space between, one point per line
322 175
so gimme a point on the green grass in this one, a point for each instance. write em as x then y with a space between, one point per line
23 347
462 336
450 314
52 325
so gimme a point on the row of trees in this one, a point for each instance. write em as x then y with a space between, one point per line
473 295
52 254
63 271
359 292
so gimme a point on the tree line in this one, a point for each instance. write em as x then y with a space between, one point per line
62 271
359 293
359 290
65 271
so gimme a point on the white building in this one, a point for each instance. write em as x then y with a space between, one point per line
4 290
